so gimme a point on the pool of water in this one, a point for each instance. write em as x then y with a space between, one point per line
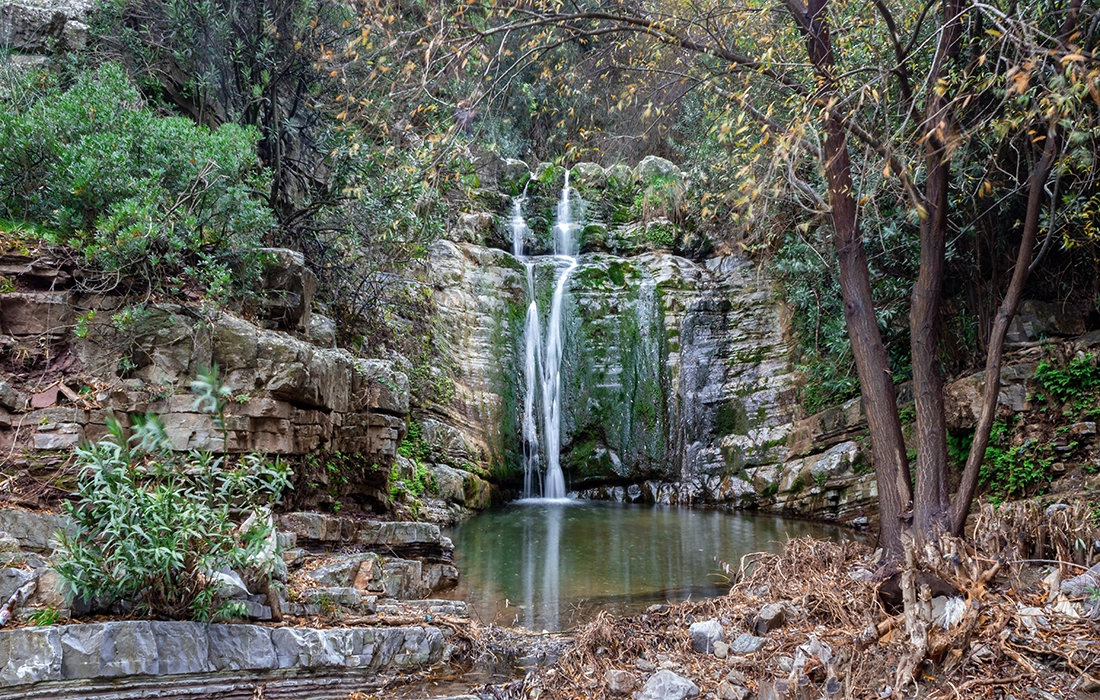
552 565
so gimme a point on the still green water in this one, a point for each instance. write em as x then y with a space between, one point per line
552 565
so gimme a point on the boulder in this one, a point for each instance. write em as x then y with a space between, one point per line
241 648
32 529
588 175
182 647
548 173
123 648
288 288
403 578
812 648
35 313
963 398
654 167
835 462
317 527
729 691
40 26
354 570
11 399
309 648
49 592
445 443
321 331
450 483
514 175
705 634
666 685
345 597
439 577
620 176
1035 320
478 492
386 389
11 580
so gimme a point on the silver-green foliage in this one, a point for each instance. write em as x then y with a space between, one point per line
150 525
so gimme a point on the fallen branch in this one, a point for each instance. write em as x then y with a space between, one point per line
17 598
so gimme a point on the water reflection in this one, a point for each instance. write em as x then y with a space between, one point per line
550 565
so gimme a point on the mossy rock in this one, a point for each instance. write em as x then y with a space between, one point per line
549 175
588 177
620 177
654 168
594 237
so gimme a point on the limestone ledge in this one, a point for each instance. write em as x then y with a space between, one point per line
819 466
834 486
33 655
292 397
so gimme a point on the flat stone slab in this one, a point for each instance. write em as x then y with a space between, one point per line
152 648
32 529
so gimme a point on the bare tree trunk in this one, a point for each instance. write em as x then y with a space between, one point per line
960 508
992 386
930 508
876 383
930 504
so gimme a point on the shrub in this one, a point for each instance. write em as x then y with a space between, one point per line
1074 384
137 193
151 526
1012 470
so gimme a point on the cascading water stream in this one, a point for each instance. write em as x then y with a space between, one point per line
545 367
532 342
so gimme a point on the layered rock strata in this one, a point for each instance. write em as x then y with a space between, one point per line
129 658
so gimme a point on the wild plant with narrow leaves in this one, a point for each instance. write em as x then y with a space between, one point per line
151 524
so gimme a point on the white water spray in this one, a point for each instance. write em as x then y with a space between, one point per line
545 367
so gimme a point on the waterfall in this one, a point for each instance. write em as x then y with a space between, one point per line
543 369
532 343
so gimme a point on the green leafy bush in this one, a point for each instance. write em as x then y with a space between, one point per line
138 193
1011 470
1075 384
151 525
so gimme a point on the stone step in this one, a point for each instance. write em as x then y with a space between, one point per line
105 650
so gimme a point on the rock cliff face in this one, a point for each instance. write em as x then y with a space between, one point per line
79 357
677 382
666 361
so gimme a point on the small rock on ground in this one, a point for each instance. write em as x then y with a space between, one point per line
747 644
620 682
666 685
729 691
770 617
705 634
